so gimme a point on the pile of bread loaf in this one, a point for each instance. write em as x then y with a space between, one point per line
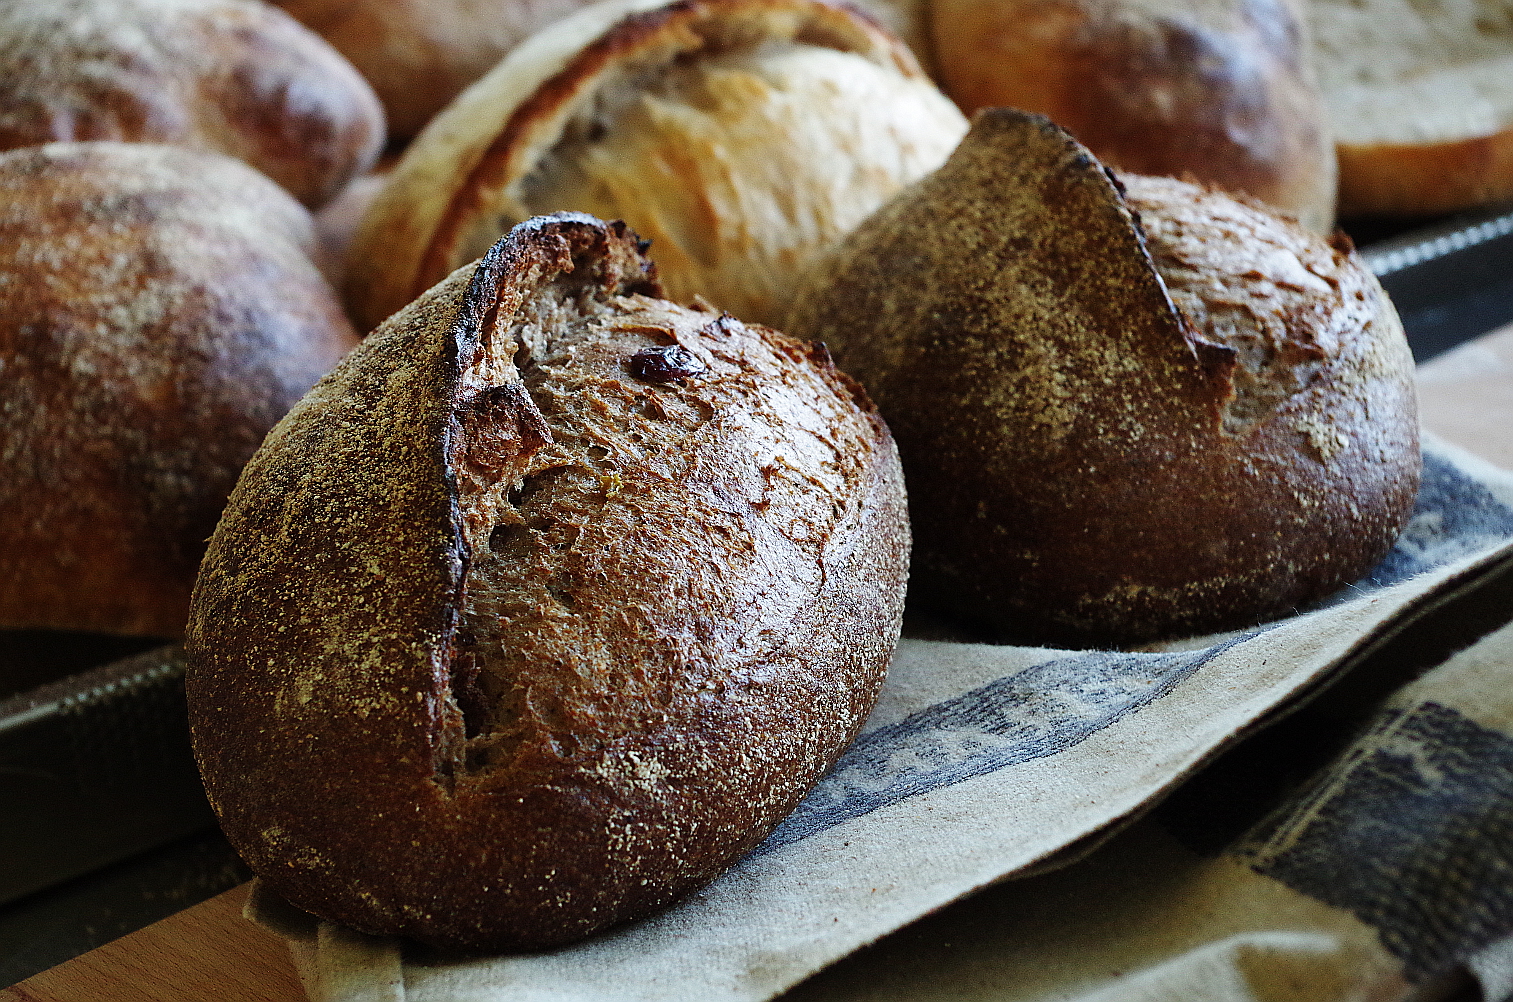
576 549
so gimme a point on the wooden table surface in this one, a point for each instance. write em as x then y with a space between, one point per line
209 952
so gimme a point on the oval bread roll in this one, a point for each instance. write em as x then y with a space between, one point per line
1217 91
227 76
591 589
160 312
1122 417
742 137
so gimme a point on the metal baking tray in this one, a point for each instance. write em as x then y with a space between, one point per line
95 766
1450 281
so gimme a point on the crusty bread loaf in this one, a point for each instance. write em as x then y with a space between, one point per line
229 76
1421 101
1122 418
551 601
742 137
159 313
420 54
1218 91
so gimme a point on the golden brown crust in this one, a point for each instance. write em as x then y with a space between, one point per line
465 179
226 76
591 589
420 54
160 312
1403 179
1220 91
1112 435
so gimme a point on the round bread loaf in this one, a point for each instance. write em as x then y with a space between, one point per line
743 137
228 76
545 606
1217 91
159 313
1121 418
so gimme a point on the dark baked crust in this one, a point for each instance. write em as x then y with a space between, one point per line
525 623
1086 463
227 76
158 313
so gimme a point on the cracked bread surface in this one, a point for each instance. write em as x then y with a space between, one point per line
592 588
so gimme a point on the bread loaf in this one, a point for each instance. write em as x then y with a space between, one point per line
1218 91
420 54
1420 98
160 312
1123 416
742 137
227 76
545 606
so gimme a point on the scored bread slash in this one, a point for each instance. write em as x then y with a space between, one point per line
1127 411
507 636
742 137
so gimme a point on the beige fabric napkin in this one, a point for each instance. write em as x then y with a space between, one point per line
1386 874
987 762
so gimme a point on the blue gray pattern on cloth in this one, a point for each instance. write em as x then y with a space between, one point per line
1052 706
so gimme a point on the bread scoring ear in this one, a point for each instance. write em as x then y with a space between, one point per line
505 585
1121 418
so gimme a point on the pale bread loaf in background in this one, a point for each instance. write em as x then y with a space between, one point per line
742 137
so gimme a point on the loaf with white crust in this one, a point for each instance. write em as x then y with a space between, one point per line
1420 98
742 137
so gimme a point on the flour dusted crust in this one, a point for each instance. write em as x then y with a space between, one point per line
546 606
742 137
1421 101
1222 92
1122 417
159 311
228 76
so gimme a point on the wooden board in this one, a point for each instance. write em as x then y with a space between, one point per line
211 952
208 952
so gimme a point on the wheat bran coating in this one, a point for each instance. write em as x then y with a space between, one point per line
545 607
1119 427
